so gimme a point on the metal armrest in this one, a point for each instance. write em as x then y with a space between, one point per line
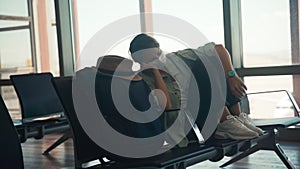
289 94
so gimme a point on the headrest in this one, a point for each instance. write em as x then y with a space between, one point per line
117 66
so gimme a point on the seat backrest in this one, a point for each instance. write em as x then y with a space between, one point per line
10 148
290 100
138 94
273 122
84 148
36 95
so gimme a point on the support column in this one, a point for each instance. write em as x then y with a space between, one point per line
146 16
65 35
233 31
76 33
295 45
43 22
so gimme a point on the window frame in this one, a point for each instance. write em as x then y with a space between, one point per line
232 16
30 27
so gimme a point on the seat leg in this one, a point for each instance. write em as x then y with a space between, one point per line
283 157
242 155
269 143
62 139
177 166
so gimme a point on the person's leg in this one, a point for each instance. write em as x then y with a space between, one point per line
233 104
224 115
231 128
235 110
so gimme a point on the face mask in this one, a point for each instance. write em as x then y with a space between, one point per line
146 55
151 56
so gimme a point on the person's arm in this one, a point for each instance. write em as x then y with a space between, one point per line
160 84
237 86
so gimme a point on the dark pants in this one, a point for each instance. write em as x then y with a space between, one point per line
230 98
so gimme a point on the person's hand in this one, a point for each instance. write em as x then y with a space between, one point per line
237 86
164 100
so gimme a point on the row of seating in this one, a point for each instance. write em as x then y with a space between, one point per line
41 110
86 150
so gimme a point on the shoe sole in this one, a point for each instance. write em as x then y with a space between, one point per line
225 135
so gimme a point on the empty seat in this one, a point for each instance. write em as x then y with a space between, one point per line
10 148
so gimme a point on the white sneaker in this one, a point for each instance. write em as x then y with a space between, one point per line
232 128
246 120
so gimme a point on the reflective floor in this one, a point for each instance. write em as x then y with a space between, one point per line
62 156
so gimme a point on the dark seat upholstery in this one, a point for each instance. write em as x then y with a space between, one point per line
214 150
10 148
41 109
138 97
86 150
276 122
36 95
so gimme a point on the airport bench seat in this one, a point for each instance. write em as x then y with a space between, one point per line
272 127
86 150
267 124
38 129
174 158
41 110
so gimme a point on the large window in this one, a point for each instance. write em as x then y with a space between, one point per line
269 48
266 33
10 58
29 26
94 15
16 47
27 43
14 7
195 12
